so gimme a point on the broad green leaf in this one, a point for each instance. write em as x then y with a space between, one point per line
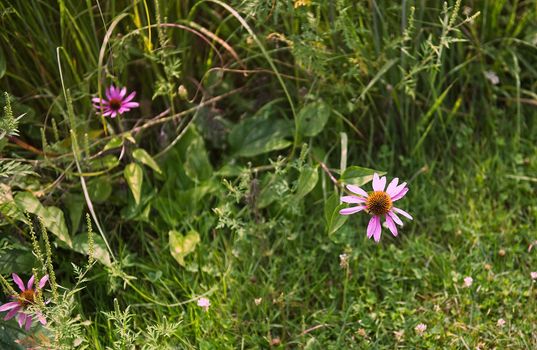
107 162
358 176
260 134
16 260
52 217
115 142
312 118
306 181
181 246
100 253
100 189
134 175
334 220
8 207
2 63
143 157
75 205
197 165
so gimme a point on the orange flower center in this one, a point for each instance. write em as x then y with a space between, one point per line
26 297
378 203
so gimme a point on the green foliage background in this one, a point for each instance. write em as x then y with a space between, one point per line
226 181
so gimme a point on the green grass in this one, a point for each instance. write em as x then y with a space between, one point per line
330 85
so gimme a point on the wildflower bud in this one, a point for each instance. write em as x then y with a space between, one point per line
501 252
183 92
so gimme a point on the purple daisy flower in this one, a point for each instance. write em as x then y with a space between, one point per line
23 300
378 204
115 102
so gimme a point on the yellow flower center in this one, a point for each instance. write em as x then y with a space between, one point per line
26 297
378 203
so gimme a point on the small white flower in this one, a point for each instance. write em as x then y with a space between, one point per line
344 261
420 329
533 275
258 301
492 77
468 282
501 322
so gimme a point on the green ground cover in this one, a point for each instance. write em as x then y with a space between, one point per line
224 181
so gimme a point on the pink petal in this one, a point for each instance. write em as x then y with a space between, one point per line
400 195
398 189
402 212
21 318
122 92
131 104
97 100
392 186
378 183
357 190
9 306
43 281
107 112
130 97
391 225
18 281
378 229
41 318
123 110
12 313
351 210
352 199
395 218
371 227
31 282
28 323
113 115
109 92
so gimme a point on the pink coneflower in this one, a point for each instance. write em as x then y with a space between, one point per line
115 102
378 203
25 298
204 303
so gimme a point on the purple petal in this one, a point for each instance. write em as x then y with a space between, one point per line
28 323
395 218
43 281
122 92
123 110
402 212
371 227
21 318
107 112
97 100
378 229
352 199
131 104
30 284
9 306
108 92
130 97
113 115
12 313
378 183
400 195
398 189
392 186
391 225
351 210
18 281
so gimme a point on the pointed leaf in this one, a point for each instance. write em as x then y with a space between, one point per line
181 246
133 173
312 118
143 157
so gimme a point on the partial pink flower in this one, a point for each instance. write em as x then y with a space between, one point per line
501 322
420 328
379 204
116 103
25 298
204 303
533 275
468 282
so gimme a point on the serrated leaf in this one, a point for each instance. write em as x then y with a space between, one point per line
333 219
181 246
100 252
134 175
358 175
143 157
306 182
312 118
